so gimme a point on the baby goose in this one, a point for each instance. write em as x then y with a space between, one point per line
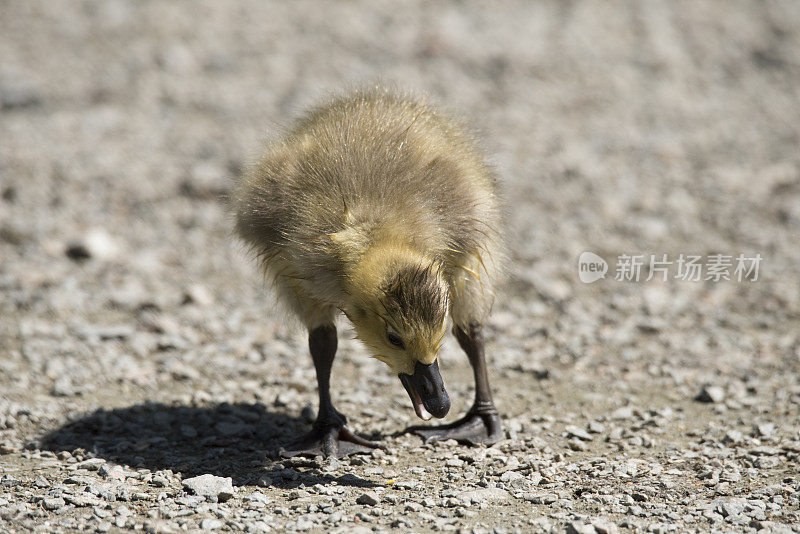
377 206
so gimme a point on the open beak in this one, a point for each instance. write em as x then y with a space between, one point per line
426 390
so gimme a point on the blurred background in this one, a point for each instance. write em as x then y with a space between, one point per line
616 127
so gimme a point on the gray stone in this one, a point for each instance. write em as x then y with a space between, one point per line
53 503
730 508
596 428
94 244
541 498
488 494
17 94
198 294
625 412
414 507
764 430
114 472
188 431
511 476
258 497
576 527
82 499
576 445
220 488
712 394
604 527
730 475
369 498
211 524
228 428
92 464
732 436
575 432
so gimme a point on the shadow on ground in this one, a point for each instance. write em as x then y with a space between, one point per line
228 440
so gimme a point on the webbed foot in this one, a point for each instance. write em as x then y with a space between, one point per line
328 441
480 425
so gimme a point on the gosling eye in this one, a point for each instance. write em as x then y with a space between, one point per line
395 340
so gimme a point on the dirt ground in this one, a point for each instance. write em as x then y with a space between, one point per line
139 348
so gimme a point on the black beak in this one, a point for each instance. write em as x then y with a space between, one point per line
426 390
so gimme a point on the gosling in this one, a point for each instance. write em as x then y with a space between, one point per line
377 206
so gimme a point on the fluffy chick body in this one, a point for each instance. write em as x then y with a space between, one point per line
361 189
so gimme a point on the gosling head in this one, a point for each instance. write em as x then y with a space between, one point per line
403 324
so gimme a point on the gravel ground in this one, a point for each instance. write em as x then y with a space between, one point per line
147 382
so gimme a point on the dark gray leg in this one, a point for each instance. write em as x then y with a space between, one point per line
329 436
482 422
